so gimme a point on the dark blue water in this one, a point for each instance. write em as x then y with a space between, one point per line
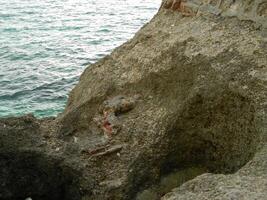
45 45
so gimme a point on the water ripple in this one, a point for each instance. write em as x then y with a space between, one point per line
45 45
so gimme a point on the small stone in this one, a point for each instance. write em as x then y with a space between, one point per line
75 139
112 183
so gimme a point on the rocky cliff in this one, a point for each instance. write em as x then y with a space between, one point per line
177 112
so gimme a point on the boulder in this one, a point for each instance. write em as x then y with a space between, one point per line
186 96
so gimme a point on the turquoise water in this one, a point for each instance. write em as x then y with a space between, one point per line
45 45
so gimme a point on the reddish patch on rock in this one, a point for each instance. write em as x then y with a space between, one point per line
177 5
173 4
107 125
180 6
107 128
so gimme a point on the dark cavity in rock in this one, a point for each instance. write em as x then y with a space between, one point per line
24 175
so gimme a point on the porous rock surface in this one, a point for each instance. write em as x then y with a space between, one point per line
186 96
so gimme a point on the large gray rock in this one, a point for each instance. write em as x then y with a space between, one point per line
186 96
249 183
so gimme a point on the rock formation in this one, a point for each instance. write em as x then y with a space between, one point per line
186 96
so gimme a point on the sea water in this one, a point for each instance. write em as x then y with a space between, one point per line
45 45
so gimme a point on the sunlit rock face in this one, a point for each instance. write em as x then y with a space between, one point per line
244 10
186 96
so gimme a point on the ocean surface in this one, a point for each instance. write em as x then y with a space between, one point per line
45 45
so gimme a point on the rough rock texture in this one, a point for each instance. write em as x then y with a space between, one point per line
187 95
248 183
